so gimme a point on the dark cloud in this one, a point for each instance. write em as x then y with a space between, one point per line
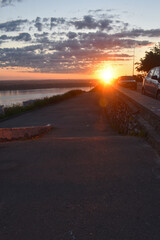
139 33
38 24
71 35
100 10
4 37
59 62
12 26
42 38
26 37
68 45
33 48
45 19
5 3
15 57
56 21
96 11
89 22
72 55
59 45
101 40
41 35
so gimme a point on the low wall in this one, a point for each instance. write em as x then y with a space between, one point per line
129 117
123 115
23 133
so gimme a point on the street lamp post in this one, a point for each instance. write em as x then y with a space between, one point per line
133 60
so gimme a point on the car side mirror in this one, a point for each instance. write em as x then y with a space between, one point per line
155 77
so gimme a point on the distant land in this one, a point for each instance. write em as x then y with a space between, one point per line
39 84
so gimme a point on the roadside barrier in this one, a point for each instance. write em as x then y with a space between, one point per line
23 133
145 112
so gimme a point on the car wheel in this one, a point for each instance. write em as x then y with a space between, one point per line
158 95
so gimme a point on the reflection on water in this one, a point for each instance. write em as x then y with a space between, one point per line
18 96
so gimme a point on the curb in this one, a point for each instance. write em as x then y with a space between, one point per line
23 133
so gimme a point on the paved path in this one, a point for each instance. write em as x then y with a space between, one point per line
80 116
81 181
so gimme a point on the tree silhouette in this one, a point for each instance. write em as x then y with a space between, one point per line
151 59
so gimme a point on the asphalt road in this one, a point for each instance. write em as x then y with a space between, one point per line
80 181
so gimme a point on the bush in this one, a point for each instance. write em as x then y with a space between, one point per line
18 109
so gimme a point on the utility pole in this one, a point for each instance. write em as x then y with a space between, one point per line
133 60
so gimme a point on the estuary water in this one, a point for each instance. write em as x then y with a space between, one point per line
8 98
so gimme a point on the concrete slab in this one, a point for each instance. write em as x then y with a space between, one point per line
11 134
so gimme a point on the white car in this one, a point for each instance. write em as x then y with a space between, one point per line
151 83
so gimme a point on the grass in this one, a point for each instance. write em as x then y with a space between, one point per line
18 109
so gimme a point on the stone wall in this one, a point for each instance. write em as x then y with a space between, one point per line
123 115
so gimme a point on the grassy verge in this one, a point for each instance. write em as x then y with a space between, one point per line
18 109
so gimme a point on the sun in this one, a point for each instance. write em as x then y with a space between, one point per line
106 75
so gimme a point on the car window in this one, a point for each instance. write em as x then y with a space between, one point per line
150 74
157 73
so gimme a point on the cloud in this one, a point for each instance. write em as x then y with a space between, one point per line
59 45
38 24
26 37
21 57
89 22
43 37
101 40
72 55
60 62
71 35
56 21
100 11
96 11
5 3
4 37
12 26
139 33
49 23
71 44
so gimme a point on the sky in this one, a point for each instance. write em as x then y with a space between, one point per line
74 40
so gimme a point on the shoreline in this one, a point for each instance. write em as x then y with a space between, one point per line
43 84
10 111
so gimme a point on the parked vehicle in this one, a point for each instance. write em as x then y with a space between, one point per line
151 83
127 81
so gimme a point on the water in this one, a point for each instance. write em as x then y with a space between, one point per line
8 98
